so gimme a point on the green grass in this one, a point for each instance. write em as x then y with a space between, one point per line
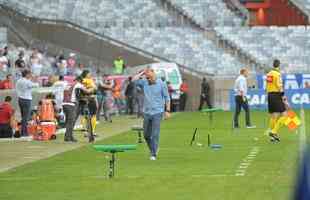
181 172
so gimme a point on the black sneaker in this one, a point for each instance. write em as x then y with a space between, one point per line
91 139
274 137
71 140
236 126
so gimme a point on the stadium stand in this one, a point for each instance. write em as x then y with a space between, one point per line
289 44
207 12
145 25
182 45
3 37
304 4
119 25
94 12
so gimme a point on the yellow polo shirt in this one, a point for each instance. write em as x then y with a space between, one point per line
274 81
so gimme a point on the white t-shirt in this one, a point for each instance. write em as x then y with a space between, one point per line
58 90
241 86
73 95
36 69
24 88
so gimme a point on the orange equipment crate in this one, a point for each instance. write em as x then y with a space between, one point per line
42 131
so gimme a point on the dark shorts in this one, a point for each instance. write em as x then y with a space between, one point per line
92 107
5 131
275 103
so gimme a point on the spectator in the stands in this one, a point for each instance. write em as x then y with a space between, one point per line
6 117
35 63
50 81
78 70
62 67
71 61
5 51
24 93
20 62
7 83
6 54
119 65
3 67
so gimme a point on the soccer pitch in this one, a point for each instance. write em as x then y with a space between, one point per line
247 167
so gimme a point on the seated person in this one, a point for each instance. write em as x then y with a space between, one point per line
6 117
7 83
47 110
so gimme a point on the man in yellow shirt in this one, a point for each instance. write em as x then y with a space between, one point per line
89 84
276 101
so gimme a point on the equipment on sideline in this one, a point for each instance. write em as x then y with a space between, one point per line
139 131
43 125
113 149
210 111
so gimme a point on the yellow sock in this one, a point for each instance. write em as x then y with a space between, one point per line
279 123
83 122
93 122
272 122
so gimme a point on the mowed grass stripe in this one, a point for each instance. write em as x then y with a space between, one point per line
181 172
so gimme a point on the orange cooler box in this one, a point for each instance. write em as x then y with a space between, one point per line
33 129
47 131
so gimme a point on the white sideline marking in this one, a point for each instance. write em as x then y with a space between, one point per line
28 139
246 162
29 157
106 177
35 147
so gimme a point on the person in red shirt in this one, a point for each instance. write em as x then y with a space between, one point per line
183 96
7 84
6 116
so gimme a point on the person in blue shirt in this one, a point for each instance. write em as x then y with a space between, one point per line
156 105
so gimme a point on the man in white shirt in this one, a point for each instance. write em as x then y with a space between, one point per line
24 93
70 102
241 101
58 90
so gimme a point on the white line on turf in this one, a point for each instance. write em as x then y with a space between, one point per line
246 162
106 177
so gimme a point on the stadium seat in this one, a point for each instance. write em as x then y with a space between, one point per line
289 44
